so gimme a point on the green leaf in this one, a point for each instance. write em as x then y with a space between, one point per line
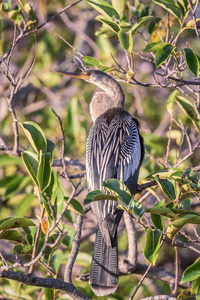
15 222
158 220
152 245
126 40
35 136
28 236
198 293
186 204
5 6
119 6
141 22
118 189
91 61
11 235
162 211
113 26
154 47
182 219
136 209
16 15
153 25
170 6
191 60
195 285
22 250
163 54
89 198
170 101
104 8
75 206
100 197
189 110
168 187
30 161
192 272
50 146
164 173
44 171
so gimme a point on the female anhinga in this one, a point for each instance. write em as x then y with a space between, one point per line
114 150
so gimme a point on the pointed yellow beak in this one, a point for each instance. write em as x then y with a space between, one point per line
83 75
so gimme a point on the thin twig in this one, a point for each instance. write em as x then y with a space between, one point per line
176 271
140 282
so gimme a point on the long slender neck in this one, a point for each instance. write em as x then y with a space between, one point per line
113 96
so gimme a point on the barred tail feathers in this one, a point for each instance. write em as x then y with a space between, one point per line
104 266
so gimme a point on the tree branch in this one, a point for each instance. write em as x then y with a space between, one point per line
56 284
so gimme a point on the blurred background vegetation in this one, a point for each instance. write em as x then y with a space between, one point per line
57 46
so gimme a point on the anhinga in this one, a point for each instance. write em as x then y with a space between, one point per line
114 150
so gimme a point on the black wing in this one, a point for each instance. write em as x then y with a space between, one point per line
113 151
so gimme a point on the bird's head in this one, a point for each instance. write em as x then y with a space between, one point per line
93 76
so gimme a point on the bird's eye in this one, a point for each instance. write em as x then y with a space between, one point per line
88 74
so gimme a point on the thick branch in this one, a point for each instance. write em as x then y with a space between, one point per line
56 284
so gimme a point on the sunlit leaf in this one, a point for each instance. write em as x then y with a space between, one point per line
75 206
16 15
113 26
118 189
154 47
141 22
168 187
163 173
190 24
170 6
152 245
104 8
119 6
35 136
163 54
191 60
30 161
44 171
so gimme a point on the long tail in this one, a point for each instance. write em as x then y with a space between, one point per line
104 266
